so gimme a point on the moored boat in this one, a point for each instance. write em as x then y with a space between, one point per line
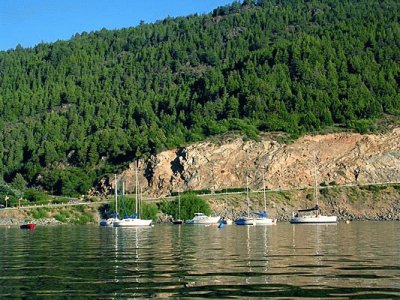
262 216
132 222
30 226
202 219
263 220
313 219
314 215
245 221
109 222
178 221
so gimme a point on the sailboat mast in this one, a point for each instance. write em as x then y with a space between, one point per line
123 196
136 188
141 199
226 199
116 194
265 196
315 178
179 205
247 195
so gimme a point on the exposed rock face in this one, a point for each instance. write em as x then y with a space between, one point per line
229 161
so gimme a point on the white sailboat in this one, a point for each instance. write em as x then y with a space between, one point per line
225 220
202 219
132 222
135 220
109 222
314 217
178 221
246 220
262 216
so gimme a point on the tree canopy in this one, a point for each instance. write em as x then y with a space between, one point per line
82 107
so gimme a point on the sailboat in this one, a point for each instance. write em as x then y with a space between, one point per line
202 219
179 221
246 220
225 220
299 216
262 216
110 221
133 220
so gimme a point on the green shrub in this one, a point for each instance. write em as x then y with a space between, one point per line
60 201
196 192
310 197
324 192
373 188
35 196
6 191
40 213
62 216
19 182
190 204
231 190
79 208
84 219
354 194
363 126
149 211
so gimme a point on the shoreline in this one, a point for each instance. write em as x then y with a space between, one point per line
347 203
16 222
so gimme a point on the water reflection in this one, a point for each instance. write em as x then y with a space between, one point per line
317 261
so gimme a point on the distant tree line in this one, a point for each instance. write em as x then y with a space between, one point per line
74 110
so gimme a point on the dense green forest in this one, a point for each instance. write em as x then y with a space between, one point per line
74 110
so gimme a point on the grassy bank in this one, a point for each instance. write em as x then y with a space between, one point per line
77 215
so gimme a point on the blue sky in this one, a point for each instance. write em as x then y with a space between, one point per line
29 22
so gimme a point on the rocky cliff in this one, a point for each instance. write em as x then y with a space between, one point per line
231 161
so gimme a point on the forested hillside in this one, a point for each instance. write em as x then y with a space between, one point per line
73 110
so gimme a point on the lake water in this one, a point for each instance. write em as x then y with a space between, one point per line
356 260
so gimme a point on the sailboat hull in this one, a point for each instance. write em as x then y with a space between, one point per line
107 222
201 219
132 222
245 221
313 219
264 221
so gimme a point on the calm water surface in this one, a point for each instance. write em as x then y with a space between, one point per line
345 261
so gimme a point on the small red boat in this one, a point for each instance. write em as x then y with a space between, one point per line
30 226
